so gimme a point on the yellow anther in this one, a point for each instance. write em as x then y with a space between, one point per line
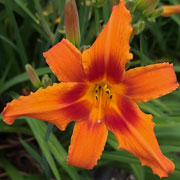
107 91
102 94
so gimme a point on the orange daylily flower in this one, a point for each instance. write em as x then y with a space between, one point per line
97 93
170 10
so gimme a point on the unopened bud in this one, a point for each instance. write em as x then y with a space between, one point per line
71 22
131 5
156 13
138 27
46 81
147 6
170 10
33 77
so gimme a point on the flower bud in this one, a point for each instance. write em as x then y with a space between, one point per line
33 77
131 5
46 81
71 22
170 10
147 6
138 27
156 13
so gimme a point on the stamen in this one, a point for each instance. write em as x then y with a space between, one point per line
102 97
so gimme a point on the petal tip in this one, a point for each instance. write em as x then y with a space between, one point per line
65 61
166 167
161 81
87 144
7 119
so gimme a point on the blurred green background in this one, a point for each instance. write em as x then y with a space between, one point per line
32 149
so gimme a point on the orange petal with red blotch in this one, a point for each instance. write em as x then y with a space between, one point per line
150 82
87 143
109 54
65 60
59 104
134 132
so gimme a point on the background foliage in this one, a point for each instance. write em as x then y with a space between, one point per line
32 149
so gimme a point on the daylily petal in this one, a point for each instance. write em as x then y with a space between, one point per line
65 61
107 57
87 143
150 82
134 132
59 104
